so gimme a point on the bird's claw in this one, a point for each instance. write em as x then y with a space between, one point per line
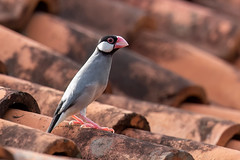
89 125
73 122
107 129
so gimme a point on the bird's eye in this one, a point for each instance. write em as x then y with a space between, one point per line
110 40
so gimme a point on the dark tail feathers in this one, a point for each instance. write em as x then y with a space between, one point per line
54 121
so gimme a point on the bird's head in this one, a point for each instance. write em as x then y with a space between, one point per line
110 44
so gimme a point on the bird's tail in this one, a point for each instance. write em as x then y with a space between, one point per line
53 123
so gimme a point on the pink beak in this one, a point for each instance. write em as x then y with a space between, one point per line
121 42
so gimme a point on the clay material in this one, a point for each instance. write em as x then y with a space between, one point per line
203 27
32 61
199 151
15 99
162 119
15 13
193 64
100 144
16 135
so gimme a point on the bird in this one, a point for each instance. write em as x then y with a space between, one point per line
88 84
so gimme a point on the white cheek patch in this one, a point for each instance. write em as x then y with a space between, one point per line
105 47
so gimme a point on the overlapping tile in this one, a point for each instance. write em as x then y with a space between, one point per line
100 113
102 145
199 151
213 110
217 33
15 13
106 16
193 64
76 41
20 154
16 135
5 154
47 98
16 99
3 68
76 38
187 125
230 7
32 61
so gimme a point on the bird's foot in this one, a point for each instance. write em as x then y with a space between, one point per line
74 122
81 123
89 124
107 129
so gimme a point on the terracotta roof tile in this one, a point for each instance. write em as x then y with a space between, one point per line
199 151
103 114
122 147
47 98
211 30
98 144
15 13
3 68
100 113
193 64
16 99
26 59
73 34
162 119
213 110
5 154
230 7
109 17
75 40
20 154
19 136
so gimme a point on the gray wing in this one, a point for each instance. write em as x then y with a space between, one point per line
84 94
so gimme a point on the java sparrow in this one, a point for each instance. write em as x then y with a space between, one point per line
88 84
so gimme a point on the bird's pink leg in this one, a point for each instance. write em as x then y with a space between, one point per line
90 123
95 124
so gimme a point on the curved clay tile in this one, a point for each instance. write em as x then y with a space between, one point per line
20 154
213 110
15 13
203 27
112 17
234 144
32 61
3 68
114 146
198 150
75 41
47 98
131 74
104 115
16 99
19 136
5 154
179 123
230 7
116 118
100 144
135 76
219 79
